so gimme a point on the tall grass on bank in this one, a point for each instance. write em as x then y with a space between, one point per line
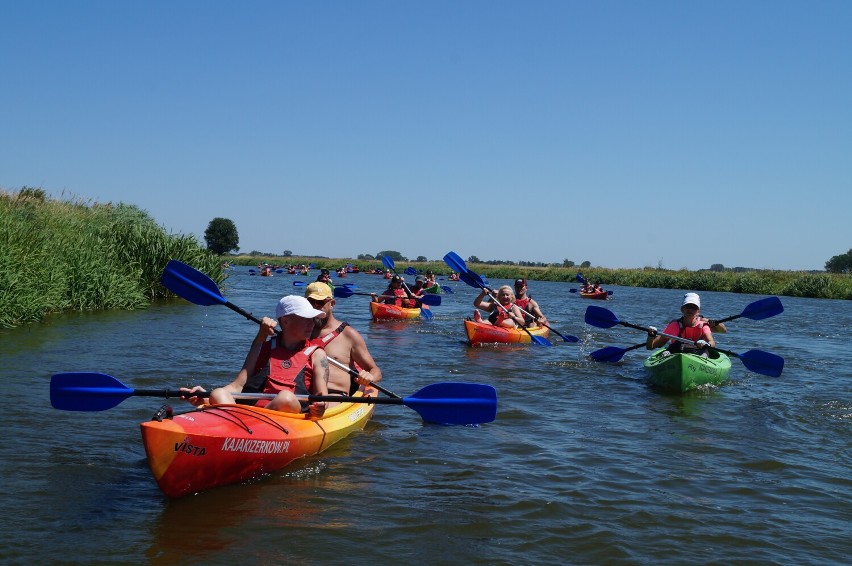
70 255
758 282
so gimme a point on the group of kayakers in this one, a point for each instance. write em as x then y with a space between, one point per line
295 360
589 287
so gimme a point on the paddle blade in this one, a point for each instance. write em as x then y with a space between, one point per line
565 338
299 284
410 271
572 290
343 292
426 314
608 354
388 262
430 299
762 362
540 340
465 277
447 289
580 278
86 391
600 317
455 403
763 309
189 283
455 262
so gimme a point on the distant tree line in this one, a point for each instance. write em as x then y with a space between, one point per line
841 263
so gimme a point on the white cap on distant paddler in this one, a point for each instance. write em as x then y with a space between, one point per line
294 304
692 299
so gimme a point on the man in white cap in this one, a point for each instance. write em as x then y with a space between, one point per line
691 325
341 342
288 364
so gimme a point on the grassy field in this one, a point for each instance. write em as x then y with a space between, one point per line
70 255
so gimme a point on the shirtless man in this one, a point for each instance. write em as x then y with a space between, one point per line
346 345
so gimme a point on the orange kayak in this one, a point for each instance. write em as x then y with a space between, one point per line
483 333
383 311
217 445
603 295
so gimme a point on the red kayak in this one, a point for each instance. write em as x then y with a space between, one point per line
602 295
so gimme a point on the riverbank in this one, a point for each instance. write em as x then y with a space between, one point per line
757 282
73 255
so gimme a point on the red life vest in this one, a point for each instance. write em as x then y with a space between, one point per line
503 314
285 369
396 293
693 333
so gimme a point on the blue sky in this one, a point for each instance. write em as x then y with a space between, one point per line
625 133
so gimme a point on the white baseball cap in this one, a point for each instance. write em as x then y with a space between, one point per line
294 304
691 299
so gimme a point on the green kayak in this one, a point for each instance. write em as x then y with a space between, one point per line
682 372
434 289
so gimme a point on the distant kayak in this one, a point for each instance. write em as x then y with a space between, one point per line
682 372
384 311
602 295
484 333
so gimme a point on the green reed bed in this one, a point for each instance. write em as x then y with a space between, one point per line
70 255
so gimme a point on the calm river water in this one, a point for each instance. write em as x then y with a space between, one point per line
584 464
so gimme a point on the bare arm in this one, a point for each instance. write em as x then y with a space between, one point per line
361 356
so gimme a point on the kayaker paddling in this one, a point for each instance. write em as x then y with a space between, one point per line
503 310
341 342
691 326
286 365
528 304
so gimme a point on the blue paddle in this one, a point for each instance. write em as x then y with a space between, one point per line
440 403
757 361
758 310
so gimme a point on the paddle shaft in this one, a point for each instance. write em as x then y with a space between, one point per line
568 338
354 373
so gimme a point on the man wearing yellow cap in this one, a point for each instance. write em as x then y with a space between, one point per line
340 342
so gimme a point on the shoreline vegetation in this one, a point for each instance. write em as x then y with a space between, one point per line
819 285
64 255
71 255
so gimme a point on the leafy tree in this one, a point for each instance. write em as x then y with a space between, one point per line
365 257
586 264
421 258
567 263
840 263
717 267
473 259
287 253
396 256
221 236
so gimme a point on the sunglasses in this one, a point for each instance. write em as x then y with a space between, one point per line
317 303
689 307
